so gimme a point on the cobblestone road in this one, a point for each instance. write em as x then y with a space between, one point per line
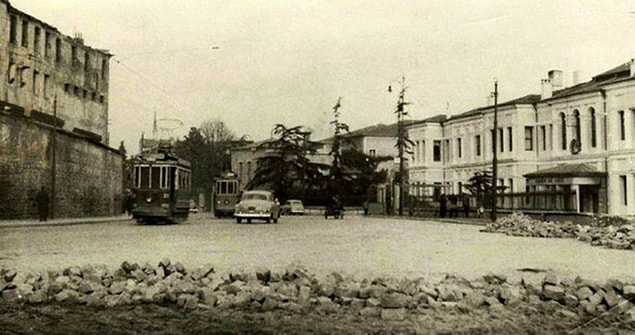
356 245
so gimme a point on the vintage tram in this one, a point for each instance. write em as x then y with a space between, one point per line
161 187
226 194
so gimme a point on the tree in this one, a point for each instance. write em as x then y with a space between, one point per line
286 162
360 175
480 185
335 173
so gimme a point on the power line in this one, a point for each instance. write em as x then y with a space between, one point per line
172 52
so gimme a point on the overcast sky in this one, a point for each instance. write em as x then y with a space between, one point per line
253 64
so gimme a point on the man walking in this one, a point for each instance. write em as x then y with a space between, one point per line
42 199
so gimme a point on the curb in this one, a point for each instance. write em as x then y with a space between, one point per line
61 222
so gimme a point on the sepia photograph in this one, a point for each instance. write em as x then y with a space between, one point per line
317 167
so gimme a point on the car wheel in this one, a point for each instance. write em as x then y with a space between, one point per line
268 220
248 220
239 220
275 220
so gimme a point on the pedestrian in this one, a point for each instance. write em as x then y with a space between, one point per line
466 205
42 199
130 199
443 205
453 205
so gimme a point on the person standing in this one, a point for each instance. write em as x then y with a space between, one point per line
443 205
42 199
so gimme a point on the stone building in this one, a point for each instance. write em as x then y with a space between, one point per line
573 148
54 121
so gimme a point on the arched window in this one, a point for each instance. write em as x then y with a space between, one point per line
563 131
594 129
576 116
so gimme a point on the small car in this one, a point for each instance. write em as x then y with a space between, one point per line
292 207
257 205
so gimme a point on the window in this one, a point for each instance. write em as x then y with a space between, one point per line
477 144
86 61
563 131
11 75
501 139
58 50
624 188
594 132
36 87
493 137
155 175
543 136
25 34
423 151
372 152
511 185
73 54
622 125
446 151
459 145
576 118
436 151
104 68
47 44
13 27
36 40
510 141
529 138
45 86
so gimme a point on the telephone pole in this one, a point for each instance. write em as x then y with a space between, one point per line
401 139
53 157
494 149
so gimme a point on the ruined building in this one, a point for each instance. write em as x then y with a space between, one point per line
54 121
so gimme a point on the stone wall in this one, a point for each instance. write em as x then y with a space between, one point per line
88 174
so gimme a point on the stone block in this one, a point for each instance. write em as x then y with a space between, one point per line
373 302
370 311
11 295
475 298
584 292
570 300
394 300
511 295
553 292
393 314
628 291
551 279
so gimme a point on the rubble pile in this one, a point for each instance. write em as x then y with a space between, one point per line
297 290
610 232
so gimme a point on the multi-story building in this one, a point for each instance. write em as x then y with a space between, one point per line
51 74
576 142
54 121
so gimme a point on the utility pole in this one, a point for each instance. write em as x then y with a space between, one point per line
53 158
494 149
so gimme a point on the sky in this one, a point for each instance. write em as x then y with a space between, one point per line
255 63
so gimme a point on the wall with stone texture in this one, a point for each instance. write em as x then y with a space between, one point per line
88 175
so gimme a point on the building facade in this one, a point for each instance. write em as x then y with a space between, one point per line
54 121
577 143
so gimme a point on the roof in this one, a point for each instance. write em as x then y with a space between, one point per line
619 73
529 99
567 170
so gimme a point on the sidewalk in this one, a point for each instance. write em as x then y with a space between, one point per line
61 221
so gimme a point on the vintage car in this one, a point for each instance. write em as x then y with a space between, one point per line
292 207
257 205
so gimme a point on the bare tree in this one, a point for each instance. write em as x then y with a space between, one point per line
215 131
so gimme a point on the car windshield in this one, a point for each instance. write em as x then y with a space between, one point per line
295 202
254 196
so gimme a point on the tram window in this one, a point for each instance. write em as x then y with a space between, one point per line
223 189
144 179
155 176
137 177
230 188
164 176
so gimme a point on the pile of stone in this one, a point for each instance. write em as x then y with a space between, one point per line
297 290
610 232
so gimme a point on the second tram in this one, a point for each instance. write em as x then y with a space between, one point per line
162 187
226 194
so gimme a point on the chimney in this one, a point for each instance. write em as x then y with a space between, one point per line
556 79
546 89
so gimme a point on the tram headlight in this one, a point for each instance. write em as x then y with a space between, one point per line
148 200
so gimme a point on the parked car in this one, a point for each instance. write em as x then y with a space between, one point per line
292 207
257 205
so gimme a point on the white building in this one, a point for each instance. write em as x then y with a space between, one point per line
577 142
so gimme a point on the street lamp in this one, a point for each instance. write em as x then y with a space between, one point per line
401 138
494 157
